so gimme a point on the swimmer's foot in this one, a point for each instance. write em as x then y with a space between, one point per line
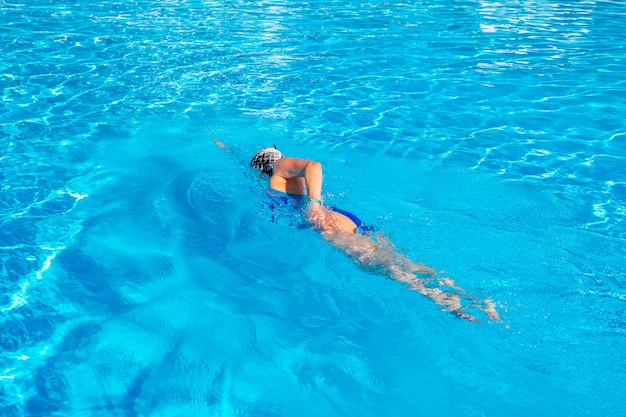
446 282
490 310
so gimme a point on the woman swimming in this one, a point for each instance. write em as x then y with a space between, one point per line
372 251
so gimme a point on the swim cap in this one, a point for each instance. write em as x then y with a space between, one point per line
265 158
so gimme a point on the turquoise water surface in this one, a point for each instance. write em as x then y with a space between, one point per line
142 274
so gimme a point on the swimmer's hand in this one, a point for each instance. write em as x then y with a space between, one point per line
221 145
316 214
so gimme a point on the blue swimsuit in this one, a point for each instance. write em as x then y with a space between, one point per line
279 199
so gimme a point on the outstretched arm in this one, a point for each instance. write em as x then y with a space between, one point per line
221 145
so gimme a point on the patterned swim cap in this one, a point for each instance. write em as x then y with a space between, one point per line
265 158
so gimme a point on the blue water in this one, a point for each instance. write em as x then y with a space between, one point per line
141 276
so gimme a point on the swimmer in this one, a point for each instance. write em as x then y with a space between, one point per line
372 251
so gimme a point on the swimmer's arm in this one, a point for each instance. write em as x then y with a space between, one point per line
313 178
221 145
311 171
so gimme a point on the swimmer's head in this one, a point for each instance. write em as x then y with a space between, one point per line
265 158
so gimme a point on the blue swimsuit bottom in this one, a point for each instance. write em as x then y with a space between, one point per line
281 200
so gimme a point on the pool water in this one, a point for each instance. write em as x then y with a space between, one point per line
142 274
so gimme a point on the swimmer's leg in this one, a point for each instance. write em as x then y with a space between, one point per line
450 301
